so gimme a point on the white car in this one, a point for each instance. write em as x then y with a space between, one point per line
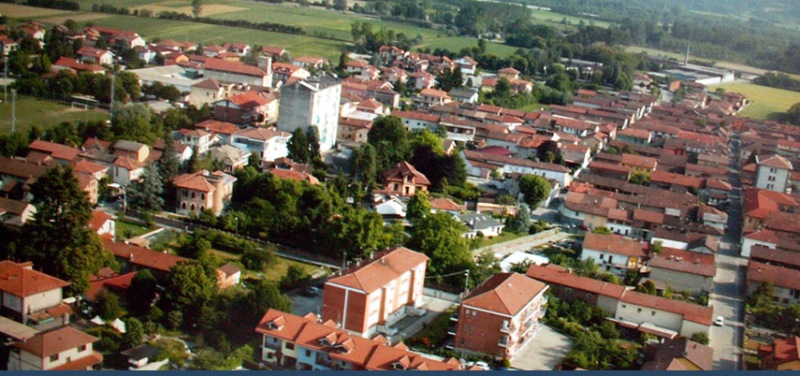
719 321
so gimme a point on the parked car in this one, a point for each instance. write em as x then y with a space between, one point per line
312 291
719 321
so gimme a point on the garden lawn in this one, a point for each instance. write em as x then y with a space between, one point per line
43 114
766 100
504 237
126 229
274 273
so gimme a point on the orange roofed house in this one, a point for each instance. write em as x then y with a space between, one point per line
203 190
65 349
501 315
376 293
32 297
306 343
405 180
782 355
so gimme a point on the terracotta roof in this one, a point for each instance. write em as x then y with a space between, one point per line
53 342
775 161
685 261
262 134
88 167
81 364
786 350
251 99
648 216
764 254
56 151
385 267
230 269
434 93
509 70
99 218
489 158
690 312
665 177
21 280
91 51
78 66
416 115
778 275
272 50
505 293
639 161
634 133
143 256
403 170
209 83
117 282
233 67
671 355
760 202
554 274
219 127
598 165
614 244
128 163
196 182
445 204
355 123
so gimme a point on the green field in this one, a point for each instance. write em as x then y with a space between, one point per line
766 100
548 17
457 43
43 114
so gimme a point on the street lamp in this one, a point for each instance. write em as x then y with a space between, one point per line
237 225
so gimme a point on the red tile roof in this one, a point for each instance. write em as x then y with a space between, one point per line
690 312
685 261
93 52
195 182
415 115
385 267
759 203
233 67
76 65
778 275
615 244
218 127
434 93
56 151
262 134
21 280
251 99
775 161
53 342
509 70
403 170
670 178
786 350
117 282
99 218
143 256
294 175
504 293
445 204
554 274
639 161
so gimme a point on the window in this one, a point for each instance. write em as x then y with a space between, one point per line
185 193
308 352
202 196
474 313
193 195
82 348
653 313
624 306
602 257
54 357
639 310
289 346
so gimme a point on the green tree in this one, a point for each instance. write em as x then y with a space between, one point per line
440 237
265 295
134 123
189 287
522 221
657 247
640 178
195 162
364 164
418 206
298 146
534 189
391 141
295 277
647 287
340 4
701 338
60 241
194 246
549 152
168 163
602 230
142 293
108 306
147 194
134 333
197 8
313 144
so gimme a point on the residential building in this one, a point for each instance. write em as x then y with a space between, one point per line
127 170
614 253
566 285
268 143
143 358
678 355
313 102
208 91
95 56
203 190
477 223
76 66
64 349
15 212
40 151
102 223
222 131
773 173
376 293
432 97
236 72
196 138
785 281
250 109
133 258
501 316
133 150
468 64
31 297
682 270
306 343
782 355
353 130
482 164
232 158
228 275
285 74
463 95
405 180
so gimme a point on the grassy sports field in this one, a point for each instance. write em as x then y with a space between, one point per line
766 100
43 114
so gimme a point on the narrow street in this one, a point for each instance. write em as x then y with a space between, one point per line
728 296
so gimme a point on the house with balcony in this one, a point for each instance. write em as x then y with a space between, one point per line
501 316
405 180
203 190
31 297
307 343
432 97
64 349
268 143
615 253
376 293
196 138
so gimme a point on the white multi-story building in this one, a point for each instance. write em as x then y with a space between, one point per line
312 102
268 143
773 173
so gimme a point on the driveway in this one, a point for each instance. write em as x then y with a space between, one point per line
302 305
410 325
729 292
543 352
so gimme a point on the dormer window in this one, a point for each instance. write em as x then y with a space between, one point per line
324 341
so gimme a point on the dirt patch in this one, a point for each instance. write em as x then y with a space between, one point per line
21 11
207 10
59 20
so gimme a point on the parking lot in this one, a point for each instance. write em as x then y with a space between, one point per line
543 352
301 304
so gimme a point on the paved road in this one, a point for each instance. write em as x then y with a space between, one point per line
729 292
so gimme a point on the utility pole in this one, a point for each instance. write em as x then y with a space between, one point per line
111 109
13 111
466 281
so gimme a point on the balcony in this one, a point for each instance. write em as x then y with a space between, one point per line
454 317
508 328
272 345
503 342
324 361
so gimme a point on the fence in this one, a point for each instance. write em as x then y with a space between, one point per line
443 295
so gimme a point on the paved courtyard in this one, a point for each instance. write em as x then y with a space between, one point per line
410 325
543 352
302 305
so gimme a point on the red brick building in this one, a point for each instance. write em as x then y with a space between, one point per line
376 293
501 315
